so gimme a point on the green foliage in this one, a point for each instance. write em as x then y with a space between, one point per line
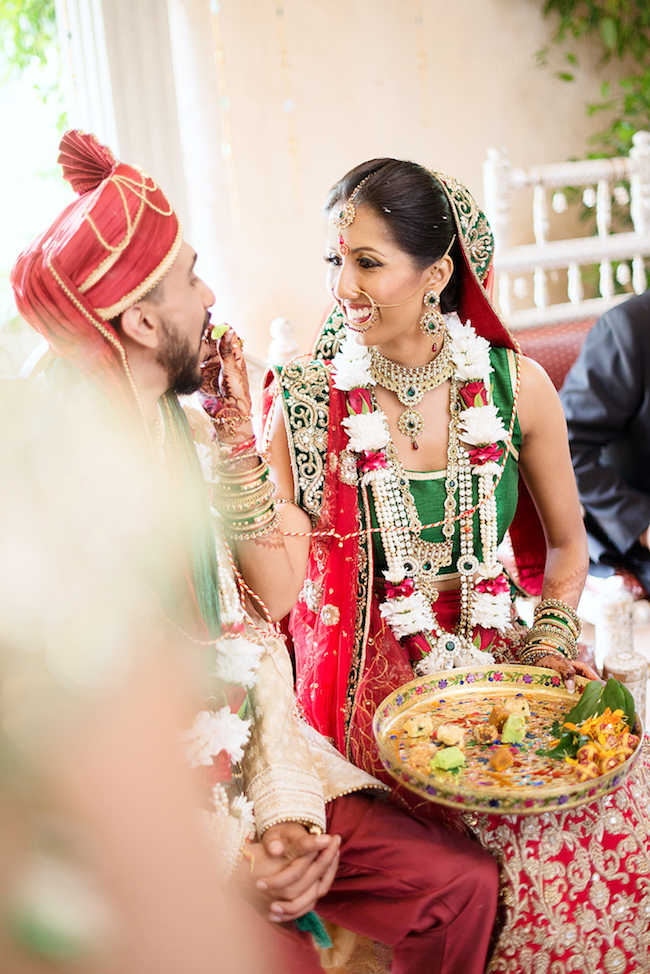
28 39
27 32
619 29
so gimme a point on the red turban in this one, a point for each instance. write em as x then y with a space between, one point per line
102 254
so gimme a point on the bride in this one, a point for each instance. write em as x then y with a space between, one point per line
400 454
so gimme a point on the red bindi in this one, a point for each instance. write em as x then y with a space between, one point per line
343 247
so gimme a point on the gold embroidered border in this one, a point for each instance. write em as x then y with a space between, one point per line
363 614
305 387
227 837
286 794
331 335
478 241
149 282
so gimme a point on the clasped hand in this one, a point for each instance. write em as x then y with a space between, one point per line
285 874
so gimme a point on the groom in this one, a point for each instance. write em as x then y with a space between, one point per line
112 286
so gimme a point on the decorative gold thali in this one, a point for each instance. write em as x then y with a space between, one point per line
535 784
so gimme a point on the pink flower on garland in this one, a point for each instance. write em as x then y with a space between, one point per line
372 460
220 770
493 586
232 628
405 588
359 401
485 454
474 394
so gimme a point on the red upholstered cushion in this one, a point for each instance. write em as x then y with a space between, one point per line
555 347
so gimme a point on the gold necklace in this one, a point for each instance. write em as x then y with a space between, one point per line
410 384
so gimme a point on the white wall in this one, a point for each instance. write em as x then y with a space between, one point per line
437 81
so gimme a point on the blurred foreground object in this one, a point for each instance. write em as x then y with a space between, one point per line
102 865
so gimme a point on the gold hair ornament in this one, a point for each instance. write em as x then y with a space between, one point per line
345 212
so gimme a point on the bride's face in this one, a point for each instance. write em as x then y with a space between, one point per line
364 262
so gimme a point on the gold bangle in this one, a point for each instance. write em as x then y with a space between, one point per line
533 657
242 477
553 643
252 534
558 608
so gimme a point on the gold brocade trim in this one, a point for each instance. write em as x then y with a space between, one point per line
366 569
512 366
305 387
479 273
286 794
478 241
227 838
139 190
107 314
575 884
426 474
331 335
114 252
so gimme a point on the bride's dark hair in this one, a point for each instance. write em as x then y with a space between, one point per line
414 208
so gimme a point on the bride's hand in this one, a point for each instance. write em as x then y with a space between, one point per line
225 393
568 669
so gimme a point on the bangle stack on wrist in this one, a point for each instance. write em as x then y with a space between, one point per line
245 497
238 456
554 632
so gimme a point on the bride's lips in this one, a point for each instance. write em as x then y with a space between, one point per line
358 314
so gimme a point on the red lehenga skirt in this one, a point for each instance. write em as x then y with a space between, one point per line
575 884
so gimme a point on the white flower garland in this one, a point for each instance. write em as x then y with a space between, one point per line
237 661
213 732
481 429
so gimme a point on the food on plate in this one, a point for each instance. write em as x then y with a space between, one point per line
421 725
451 735
501 759
517 705
498 716
448 758
493 741
485 734
513 730
420 757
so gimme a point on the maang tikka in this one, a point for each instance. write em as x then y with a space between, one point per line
345 210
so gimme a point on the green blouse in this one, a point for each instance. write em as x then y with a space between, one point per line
428 489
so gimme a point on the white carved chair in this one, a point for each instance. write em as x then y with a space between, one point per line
601 179
550 331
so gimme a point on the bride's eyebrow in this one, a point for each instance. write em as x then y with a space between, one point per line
371 250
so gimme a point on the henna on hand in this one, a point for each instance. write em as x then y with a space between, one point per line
566 588
225 391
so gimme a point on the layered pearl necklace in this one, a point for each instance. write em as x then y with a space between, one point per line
413 564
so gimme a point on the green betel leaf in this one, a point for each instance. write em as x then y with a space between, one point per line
613 696
568 745
630 708
616 696
588 704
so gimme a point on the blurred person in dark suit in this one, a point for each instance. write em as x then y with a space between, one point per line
606 401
